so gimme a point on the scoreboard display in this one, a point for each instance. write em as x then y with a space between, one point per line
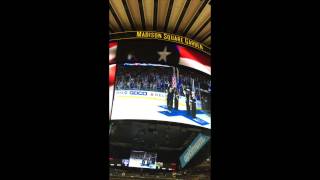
153 79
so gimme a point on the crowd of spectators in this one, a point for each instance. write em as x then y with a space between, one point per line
143 78
158 78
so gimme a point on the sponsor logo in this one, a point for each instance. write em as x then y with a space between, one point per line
159 95
141 93
121 92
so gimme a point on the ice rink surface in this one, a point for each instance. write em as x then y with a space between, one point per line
145 108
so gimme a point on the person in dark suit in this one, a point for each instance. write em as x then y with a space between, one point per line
193 105
187 95
170 96
176 99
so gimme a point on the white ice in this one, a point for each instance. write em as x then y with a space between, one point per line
143 108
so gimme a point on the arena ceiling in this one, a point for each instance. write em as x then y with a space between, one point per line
169 140
190 18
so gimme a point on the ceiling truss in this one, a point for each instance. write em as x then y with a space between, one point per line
190 18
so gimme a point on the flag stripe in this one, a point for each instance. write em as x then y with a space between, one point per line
112 52
112 44
192 54
195 64
112 78
112 74
112 55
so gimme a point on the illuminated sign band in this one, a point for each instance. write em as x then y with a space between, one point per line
160 36
170 37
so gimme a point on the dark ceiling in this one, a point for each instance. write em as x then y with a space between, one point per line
169 140
190 18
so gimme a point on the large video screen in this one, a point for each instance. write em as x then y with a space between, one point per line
163 93
141 159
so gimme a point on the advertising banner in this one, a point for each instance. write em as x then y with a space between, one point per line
193 149
152 94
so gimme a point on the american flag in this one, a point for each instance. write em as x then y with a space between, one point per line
193 87
174 80
112 72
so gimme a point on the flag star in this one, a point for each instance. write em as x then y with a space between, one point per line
163 54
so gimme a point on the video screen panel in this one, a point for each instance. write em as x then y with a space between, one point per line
163 93
142 159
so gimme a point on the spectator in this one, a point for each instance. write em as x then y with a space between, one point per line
158 79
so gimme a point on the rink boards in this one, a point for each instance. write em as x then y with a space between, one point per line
152 95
